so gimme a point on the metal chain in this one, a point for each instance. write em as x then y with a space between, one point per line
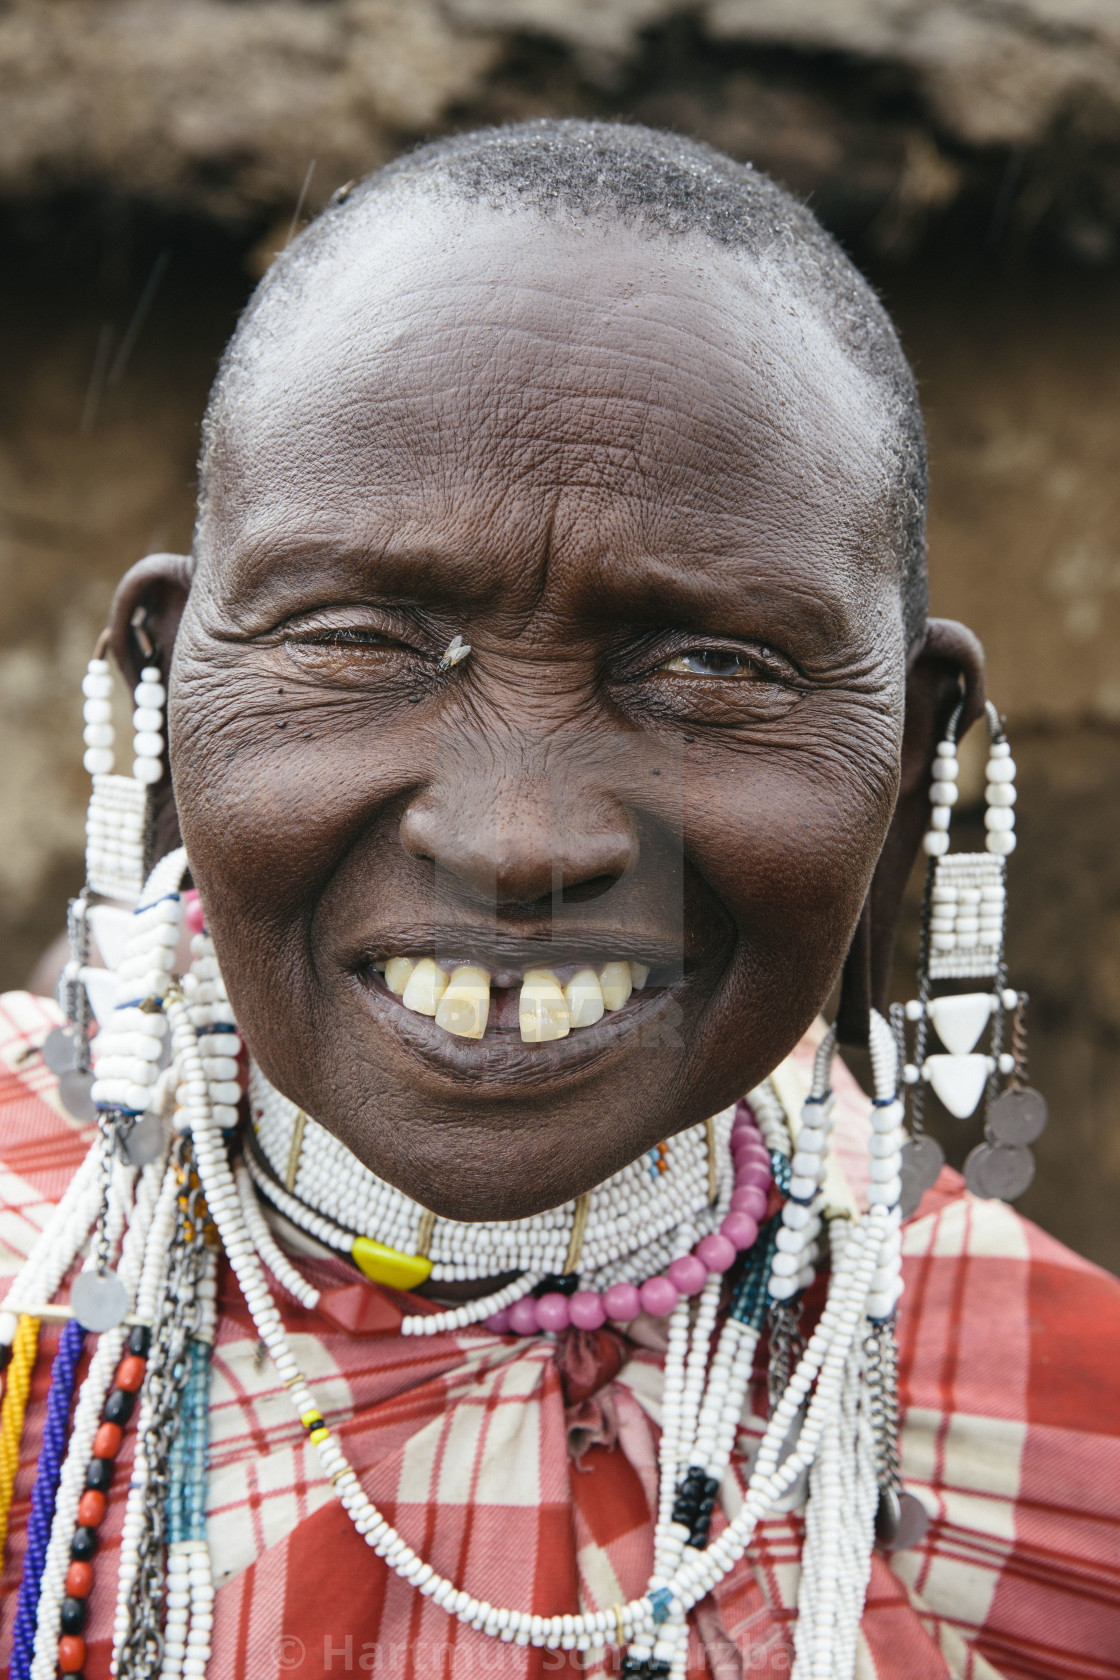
107 1144
880 1374
787 1344
917 1092
72 992
1018 1076
169 1368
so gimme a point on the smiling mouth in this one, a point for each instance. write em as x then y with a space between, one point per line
542 1004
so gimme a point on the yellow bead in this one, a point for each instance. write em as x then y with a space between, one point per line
318 1435
308 1418
388 1265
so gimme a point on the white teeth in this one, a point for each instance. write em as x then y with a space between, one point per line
616 984
547 1009
542 1012
584 998
426 985
465 1004
397 971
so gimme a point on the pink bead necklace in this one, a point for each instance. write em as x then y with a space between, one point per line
588 1309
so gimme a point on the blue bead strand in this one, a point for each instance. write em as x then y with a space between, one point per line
43 1495
749 1302
186 1492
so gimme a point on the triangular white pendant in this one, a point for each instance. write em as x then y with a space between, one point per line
101 989
960 1020
111 927
958 1080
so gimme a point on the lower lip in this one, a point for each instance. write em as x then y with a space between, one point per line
502 1055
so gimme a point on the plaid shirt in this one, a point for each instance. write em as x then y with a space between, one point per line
1010 1377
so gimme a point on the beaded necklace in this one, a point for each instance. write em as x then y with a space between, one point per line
709 1200
165 1270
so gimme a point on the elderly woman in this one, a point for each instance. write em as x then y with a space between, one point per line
551 702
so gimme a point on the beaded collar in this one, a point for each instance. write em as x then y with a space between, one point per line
634 1224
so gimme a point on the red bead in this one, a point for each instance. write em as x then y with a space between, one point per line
79 1580
71 1653
130 1373
91 1508
193 913
107 1441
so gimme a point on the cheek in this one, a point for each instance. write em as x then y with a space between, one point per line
267 814
790 851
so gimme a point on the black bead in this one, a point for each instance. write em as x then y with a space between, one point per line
72 1617
84 1544
5 1355
99 1474
557 1283
118 1407
140 1340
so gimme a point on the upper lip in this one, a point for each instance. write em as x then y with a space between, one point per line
496 950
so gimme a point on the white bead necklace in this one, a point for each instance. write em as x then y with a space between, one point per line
698 1421
636 1218
811 1430
824 1361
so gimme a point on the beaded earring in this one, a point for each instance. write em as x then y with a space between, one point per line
118 858
962 936
119 819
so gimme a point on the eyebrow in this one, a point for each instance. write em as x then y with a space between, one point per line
266 570
273 571
708 596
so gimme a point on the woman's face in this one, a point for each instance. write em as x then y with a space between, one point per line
640 481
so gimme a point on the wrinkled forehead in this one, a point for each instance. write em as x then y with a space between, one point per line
434 352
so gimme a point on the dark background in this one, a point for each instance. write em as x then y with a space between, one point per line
154 156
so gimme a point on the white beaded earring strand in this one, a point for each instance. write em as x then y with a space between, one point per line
118 820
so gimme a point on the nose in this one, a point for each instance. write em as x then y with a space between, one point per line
519 839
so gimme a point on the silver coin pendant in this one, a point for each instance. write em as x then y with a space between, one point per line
99 1300
1018 1117
74 1094
998 1172
59 1051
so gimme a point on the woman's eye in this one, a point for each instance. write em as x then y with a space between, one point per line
349 636
714 662
349 653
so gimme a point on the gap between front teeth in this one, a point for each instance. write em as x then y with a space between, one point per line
459 1001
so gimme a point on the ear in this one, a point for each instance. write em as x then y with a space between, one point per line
156 588
945 667
145 613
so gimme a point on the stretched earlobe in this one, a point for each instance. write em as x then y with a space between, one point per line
945 668
159 584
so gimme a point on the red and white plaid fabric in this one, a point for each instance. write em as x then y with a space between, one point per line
1010 1374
